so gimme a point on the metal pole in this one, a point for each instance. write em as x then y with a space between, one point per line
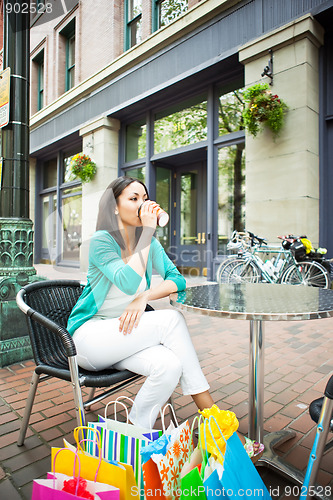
16 235
256 381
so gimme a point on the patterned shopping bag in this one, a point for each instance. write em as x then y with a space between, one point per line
121 441
170 465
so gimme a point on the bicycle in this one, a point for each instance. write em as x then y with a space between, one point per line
247 266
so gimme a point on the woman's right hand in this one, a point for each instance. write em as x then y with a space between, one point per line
148 213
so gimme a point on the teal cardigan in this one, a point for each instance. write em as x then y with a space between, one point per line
106 267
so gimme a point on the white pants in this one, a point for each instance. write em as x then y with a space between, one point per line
160 348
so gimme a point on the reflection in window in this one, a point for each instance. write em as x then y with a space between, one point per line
70 62
168 10
231 192
136 134
188 209
163 198
38 62
134 21
181 128
49 224
71 223
50 173
231 106
136 173
68 175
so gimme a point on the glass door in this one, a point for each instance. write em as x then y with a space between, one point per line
190 232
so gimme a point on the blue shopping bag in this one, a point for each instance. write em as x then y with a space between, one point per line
240 478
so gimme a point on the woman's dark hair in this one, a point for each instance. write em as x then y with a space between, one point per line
107 219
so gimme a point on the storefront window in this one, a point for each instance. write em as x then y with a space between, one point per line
71 223
68 175
230 112
136 173
61 209
180 128
231 192
135 141
49 226
163 198
50 173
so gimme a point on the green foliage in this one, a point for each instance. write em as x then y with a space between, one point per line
181 128
171 10
231 107
263 109
83 167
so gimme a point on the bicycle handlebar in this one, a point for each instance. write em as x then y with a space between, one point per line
261 241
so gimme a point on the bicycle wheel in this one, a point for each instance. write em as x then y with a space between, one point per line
244 272
225 267
308 274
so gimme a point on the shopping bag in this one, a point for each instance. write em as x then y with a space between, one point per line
165 481
193 482
240 477
121 475
62 487
121 441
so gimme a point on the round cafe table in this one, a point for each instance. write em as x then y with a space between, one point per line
257 303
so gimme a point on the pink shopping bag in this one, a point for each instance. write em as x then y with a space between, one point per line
59 486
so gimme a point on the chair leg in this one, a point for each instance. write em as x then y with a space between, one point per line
87 404
28 408
79 408
317 449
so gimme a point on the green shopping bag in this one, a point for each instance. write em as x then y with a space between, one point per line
192 482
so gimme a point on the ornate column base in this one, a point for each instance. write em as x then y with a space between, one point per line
16 270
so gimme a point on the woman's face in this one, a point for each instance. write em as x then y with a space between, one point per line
128 203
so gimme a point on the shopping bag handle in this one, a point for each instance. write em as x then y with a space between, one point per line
163 415
76 457
200 420
86 427
115 402
100 457
208 422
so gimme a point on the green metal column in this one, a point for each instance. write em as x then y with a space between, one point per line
16 232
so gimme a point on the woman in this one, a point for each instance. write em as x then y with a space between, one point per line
109 323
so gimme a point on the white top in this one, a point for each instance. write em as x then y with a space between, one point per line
116 301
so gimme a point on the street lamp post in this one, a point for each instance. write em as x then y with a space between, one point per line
16 232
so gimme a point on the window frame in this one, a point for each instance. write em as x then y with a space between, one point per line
69 32
39 61
129 22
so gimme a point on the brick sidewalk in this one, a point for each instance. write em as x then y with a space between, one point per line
298 362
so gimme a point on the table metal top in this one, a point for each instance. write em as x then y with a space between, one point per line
256 301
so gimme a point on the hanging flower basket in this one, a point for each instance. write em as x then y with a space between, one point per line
83 167
263 109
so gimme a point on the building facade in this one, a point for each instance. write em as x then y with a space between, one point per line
153 89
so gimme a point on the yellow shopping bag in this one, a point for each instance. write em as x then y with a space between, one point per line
121 476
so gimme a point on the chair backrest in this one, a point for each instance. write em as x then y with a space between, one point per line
53 299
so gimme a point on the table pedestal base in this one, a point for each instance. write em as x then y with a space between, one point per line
291 473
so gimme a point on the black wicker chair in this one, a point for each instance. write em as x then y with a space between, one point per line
321 412
47 305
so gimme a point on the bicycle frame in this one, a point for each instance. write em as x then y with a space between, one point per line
252 257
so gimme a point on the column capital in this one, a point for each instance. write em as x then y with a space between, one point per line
100 123
303 27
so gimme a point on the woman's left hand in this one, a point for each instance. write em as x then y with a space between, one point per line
132 314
